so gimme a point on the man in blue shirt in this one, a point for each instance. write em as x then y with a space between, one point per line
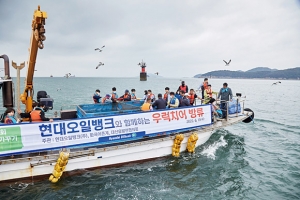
226 95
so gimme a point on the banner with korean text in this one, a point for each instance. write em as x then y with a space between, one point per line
63 133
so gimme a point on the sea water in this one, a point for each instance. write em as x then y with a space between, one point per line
259 160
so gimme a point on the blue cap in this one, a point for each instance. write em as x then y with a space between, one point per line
126 90
107 95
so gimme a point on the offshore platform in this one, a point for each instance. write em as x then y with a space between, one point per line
143 73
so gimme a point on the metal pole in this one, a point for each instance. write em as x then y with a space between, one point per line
18 68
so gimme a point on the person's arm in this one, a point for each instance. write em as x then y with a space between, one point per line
154 105
230 94
186 102
121 98
150 107
24 115
8 121
42 114
219 94
128 98
176 103
187 89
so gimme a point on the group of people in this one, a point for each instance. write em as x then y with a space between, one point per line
224 95
36 115
183 97
113 96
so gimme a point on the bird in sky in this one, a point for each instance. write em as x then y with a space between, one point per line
227 63
100 63
276 83
103 46
156 73
97 49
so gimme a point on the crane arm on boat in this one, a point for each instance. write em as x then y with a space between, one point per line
36 42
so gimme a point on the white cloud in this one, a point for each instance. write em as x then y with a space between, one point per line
176 38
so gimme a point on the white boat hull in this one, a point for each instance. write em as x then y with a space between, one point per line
106 156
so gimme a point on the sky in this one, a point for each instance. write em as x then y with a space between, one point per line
175 38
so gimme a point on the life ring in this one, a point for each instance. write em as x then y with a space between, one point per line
250 118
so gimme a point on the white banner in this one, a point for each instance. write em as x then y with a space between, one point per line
30 137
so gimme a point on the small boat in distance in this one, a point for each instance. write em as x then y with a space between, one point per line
51 76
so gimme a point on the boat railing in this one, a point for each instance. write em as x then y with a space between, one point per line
239 100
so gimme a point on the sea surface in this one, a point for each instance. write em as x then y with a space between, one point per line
259 160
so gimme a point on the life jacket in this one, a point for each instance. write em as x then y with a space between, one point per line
205 85
114 97
152 96
146 107
35 116
166 96
183 88
192 98
133 96
209 92
173 100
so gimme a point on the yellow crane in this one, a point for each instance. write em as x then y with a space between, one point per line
36 42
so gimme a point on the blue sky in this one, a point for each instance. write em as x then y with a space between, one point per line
175 38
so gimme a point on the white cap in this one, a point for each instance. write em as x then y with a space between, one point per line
186 94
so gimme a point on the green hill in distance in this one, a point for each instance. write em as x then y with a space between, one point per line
258 72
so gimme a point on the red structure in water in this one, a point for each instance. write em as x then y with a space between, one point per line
143 73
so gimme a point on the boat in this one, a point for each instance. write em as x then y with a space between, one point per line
98 135
103 136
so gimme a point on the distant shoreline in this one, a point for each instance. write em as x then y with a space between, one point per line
247 78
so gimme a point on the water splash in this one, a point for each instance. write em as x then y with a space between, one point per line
210 151
19 186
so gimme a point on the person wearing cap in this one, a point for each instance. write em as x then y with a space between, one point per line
173 101
184 101
96 96
183 87
125 97
106 99
160 103
147 105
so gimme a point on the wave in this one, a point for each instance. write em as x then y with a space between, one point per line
210 151
276 123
